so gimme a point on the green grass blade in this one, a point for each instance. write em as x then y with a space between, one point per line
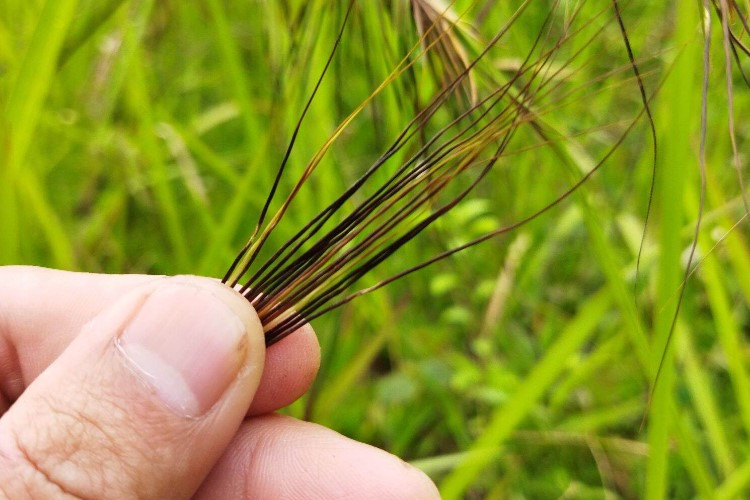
595 420
729 334
34 79
692 454
606 352
156 169
736 485
238 73
702 392
736 244
678 120
23 109
58 241
94 16
507 418
337 388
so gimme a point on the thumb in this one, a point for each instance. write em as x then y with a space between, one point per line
143 402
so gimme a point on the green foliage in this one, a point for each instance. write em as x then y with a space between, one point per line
142 136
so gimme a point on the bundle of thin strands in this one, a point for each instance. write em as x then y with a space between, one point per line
315 271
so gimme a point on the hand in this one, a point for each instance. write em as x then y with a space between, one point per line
155 387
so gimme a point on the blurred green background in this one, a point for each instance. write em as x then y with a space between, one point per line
141 136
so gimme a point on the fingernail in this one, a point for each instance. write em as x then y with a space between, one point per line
187 345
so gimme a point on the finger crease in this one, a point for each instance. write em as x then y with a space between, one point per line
36 467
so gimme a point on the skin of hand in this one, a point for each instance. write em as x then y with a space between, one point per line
136 386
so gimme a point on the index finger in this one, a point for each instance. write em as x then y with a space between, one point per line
42 311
